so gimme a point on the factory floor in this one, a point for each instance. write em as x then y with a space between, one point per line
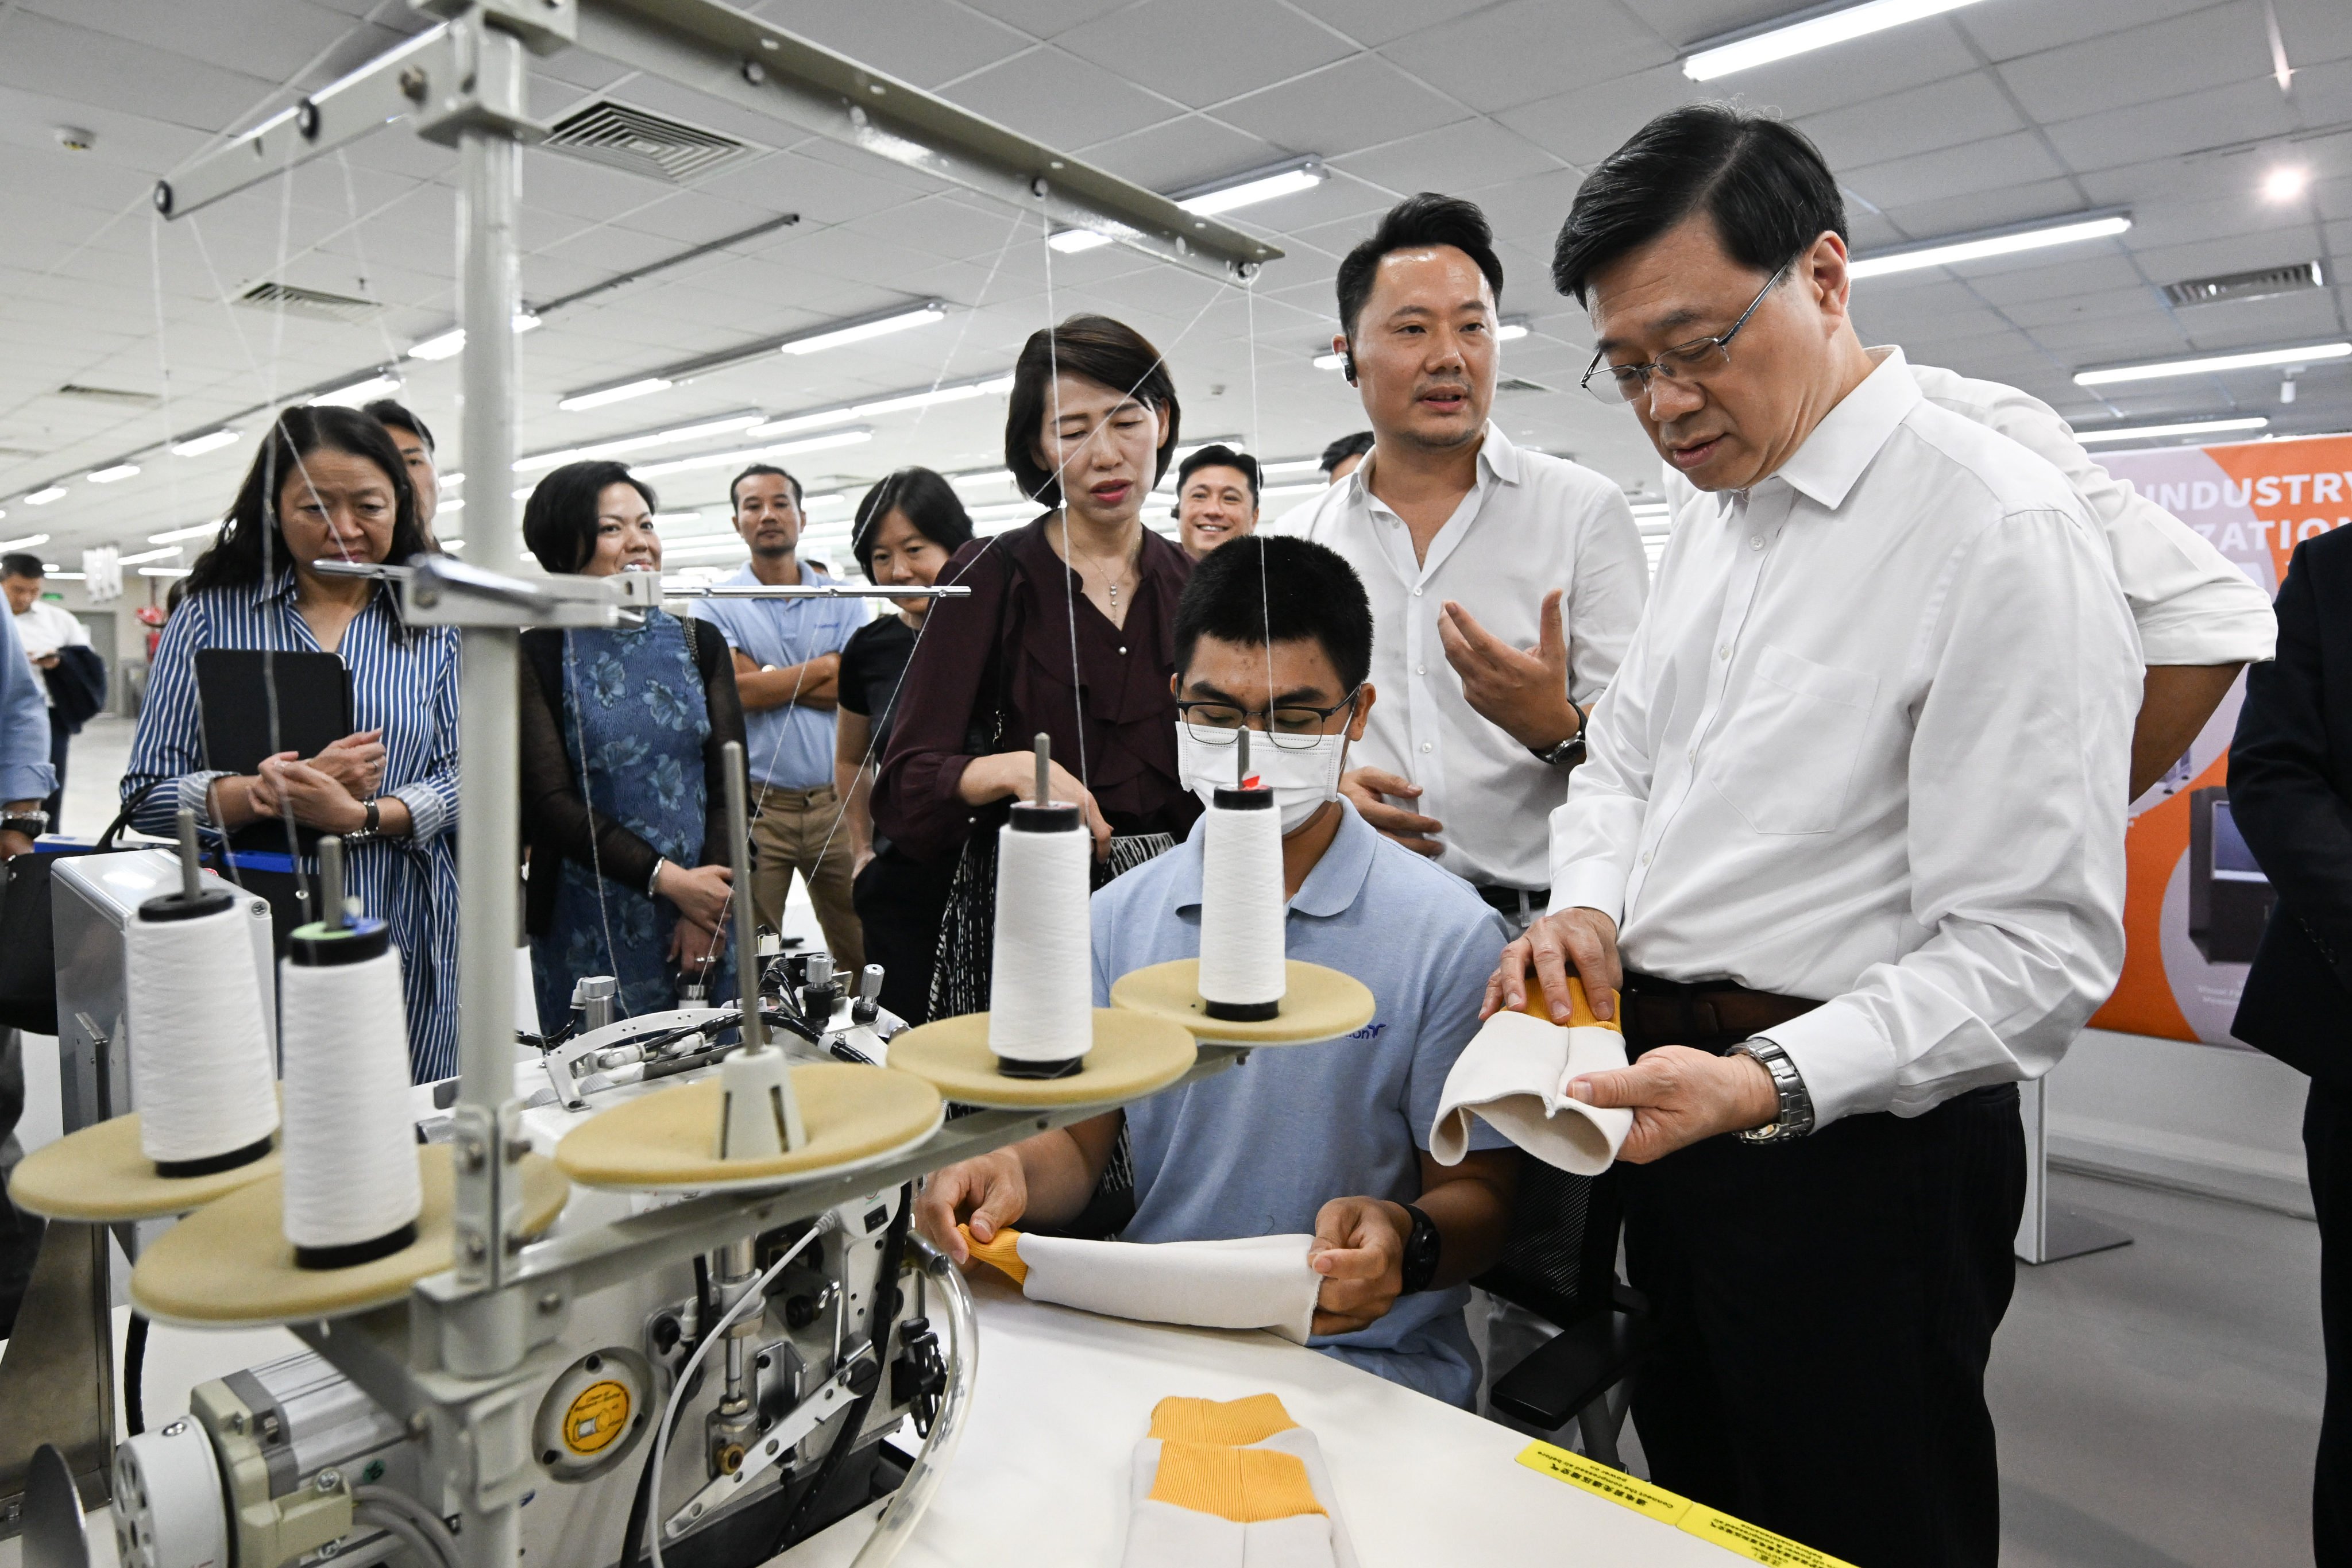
2158 1404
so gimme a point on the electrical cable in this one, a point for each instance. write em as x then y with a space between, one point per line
403 1529
756 1292
884 1312
134 1375
427 1525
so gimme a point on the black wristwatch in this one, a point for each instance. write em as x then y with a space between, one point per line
31 824
371 829
1569 750
1421 1249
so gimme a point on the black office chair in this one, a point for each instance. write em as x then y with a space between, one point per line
1559 1262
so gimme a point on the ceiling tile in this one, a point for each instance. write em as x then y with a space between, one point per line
271 43
1991 164
2008 32
1439 159
1941 114
1158 42
927 43
2213 118
1047 18
1522 50
1060 99
1587 125
1364 102
2155 60
1177 154
40 53
1375 22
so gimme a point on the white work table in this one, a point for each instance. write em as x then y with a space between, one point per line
1063 1396
1041 1477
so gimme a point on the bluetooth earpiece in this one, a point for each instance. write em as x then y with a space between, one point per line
1348 365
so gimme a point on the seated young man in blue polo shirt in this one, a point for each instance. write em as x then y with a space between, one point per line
1329 1139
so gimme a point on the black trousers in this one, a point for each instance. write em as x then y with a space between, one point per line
899 902
2327 1145
59 739
1826 1309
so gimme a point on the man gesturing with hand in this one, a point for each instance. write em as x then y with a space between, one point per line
1505 583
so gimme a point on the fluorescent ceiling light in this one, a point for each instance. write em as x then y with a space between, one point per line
45 495
724 547
996 385
211 441
793 421
662 519
111 473
1258 185
163 554
922 315
449 508
2285 184
453 546
621 445
1507 331
620 393
2203 364
451 481
165 570
1273 491
830 498
1293 466
451 343
1070 241
2186 428
176 536
746 454
1947 253
358 392
52 572
1759 49
986 477
26 542
1330 362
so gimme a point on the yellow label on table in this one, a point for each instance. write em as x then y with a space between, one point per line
598 1414
1735 1535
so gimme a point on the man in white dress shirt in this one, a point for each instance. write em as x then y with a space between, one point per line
1850 837
2200 618
1445 517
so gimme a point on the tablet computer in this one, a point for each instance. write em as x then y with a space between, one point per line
255 703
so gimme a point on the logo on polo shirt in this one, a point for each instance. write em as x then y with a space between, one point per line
1371 1031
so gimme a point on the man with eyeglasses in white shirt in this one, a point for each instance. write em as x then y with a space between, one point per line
1505 583
1850 837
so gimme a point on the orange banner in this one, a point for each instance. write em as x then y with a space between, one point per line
2195 903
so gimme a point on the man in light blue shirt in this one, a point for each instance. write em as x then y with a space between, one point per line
1329 1139
25 776
787 670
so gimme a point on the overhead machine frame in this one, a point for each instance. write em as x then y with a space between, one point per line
457 1360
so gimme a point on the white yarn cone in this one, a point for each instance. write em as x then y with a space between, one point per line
1041 999
202 1071
1242 973
350 1147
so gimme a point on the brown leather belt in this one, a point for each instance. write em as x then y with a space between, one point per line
1708 1015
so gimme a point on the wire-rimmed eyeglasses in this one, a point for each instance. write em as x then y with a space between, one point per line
1293 727
1691 361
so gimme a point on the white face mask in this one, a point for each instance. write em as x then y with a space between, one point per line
1302 778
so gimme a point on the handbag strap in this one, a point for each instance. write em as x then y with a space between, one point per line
122 818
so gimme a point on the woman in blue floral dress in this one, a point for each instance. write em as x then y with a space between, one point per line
623 780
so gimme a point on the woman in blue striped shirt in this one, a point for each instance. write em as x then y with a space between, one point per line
327 484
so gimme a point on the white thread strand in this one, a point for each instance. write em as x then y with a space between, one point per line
1041 998
351 1149
201 1066
1242 907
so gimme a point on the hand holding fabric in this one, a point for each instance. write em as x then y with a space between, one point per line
985 1194
1680 1097
1360 1251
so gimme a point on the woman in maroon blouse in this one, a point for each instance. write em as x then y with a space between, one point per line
1069 631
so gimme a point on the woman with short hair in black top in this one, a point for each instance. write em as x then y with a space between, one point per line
623 777
908 526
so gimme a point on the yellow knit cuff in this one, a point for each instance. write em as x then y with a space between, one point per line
1246 1486
1004 1254
1235 1423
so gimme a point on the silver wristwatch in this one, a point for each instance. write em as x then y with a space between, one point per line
1795 1117
1569 750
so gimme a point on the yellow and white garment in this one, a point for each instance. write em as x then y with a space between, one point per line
1232 1484
1514 1073
1253 1283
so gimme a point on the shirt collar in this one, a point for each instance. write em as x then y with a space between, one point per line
1332 888
1848 439
1498 461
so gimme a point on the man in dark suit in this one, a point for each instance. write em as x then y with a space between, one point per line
2291 791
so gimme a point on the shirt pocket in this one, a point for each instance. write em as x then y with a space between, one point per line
1786 759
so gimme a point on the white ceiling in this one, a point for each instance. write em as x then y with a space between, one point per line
2007 110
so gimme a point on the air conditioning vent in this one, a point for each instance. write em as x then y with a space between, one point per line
2265 284
1519 383
643 143
316 303
108 394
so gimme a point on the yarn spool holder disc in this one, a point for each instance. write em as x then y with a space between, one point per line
1133 1055
100 1175
1317 1004
229 1263
668 1141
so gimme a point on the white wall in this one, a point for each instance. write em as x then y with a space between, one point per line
2202 1118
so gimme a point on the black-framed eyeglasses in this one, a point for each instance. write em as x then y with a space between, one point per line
1691 361
1294 727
